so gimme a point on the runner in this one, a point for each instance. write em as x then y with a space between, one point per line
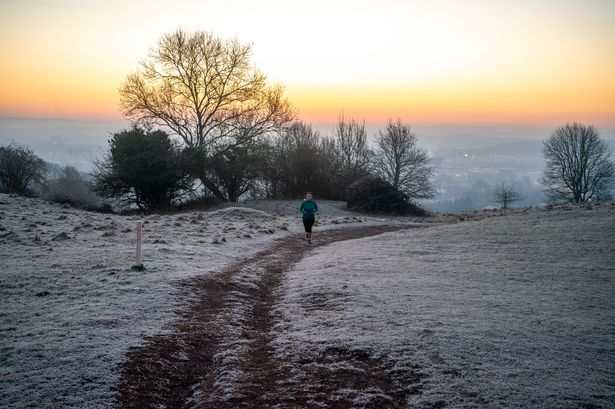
309 210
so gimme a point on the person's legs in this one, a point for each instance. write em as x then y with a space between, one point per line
308 223
306 227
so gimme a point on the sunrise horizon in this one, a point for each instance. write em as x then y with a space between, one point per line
534 63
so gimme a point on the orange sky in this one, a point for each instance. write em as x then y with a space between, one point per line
478 61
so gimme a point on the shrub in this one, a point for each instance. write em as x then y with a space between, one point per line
372 194
300 161
20 169
199 204
145 169
69 186
234 170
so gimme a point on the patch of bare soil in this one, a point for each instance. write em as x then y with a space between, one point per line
189 366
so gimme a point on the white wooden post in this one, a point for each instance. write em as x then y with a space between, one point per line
139 241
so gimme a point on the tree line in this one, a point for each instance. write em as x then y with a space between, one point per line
206 122
152 171
238 135
22 172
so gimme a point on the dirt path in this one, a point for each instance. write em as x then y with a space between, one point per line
220 352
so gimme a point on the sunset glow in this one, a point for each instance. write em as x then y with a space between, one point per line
426 62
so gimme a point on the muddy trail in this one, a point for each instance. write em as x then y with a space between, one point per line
219 353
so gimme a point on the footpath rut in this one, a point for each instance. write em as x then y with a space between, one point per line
219 353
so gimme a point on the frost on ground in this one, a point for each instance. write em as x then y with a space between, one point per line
515 311
70 306
509 311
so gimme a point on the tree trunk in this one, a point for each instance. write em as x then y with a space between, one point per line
213 188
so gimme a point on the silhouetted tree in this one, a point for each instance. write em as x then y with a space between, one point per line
351 151
398 160
504 194
236 170
20 168
300 160
268 185
205 90
579 165
143 168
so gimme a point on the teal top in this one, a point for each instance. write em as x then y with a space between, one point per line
308 209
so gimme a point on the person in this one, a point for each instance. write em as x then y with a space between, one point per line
309 210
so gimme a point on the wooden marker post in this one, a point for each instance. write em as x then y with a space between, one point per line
139 265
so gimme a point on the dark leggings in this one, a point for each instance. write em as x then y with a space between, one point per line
308 223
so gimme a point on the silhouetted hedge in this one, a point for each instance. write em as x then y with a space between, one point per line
371 194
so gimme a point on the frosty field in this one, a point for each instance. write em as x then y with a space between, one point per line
516 311
473 310
70 306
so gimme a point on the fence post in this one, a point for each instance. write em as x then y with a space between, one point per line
139 265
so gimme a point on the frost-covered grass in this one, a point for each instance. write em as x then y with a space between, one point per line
507 311
70 306
515 311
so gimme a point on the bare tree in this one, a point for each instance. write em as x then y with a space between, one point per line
20 168
504 194
579 165
399 161
204 89
351 150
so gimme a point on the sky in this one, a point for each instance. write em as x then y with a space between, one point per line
489 62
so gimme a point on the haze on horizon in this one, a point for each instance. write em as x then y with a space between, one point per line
483 63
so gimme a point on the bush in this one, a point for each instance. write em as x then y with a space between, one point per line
20 169
235 169
372 194
299 160
145 169
69 186
201 203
